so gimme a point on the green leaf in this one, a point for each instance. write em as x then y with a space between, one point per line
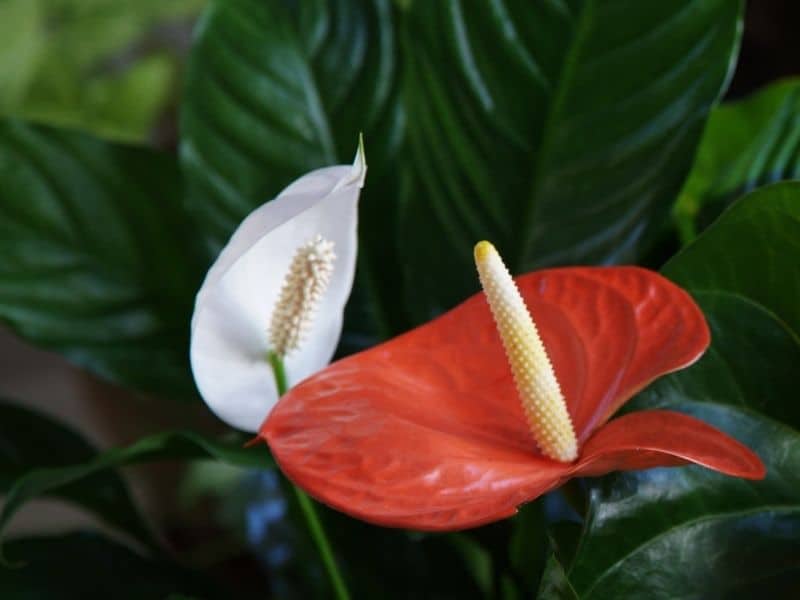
172 445
528 544
691 532
28 438
753 250
561 131
555 585
597 107
748 364
21 43
96 260
81 565
477 561
103 66
746 144
276 89
409 564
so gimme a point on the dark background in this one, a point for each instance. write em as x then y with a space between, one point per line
770 45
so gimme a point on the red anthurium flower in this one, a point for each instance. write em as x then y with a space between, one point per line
427 431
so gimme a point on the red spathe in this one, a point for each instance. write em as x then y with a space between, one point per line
426 431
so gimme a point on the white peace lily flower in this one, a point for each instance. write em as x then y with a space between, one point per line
279 286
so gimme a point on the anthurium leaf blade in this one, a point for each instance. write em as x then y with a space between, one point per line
527 546
689 531
747 143
738 534
172 445
275 90
574 149
747 364
95 260
753 250
52 565
554 584
28 438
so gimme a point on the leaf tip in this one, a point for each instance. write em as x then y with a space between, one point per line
360 162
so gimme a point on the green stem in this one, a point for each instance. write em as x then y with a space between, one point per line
278 370
307 504
323 545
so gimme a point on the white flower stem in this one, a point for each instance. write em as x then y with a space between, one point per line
313 522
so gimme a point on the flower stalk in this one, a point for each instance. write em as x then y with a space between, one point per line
305 283
313 522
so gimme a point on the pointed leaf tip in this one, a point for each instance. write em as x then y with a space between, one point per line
360 162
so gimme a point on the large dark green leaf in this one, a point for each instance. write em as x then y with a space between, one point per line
28 439
94 256
410 565
528 544
66 481
555 585
748 364
79 566
689 532
752 250
276 89
675 533
571 152
562 131
746 143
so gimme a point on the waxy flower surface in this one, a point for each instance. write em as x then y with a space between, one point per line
279 287
430 430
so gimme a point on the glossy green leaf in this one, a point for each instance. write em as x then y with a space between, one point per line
527 547
597 107
747 143
81 565
29 439
172 445
690 532
477 561
668 533
409 564
95 256
277 89
748 364
561 131
753 250
686 532
555 585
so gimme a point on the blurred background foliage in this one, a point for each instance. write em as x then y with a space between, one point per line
109 67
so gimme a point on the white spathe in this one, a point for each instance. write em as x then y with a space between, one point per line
233 309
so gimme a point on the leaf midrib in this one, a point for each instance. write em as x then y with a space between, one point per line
789 508
567 73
